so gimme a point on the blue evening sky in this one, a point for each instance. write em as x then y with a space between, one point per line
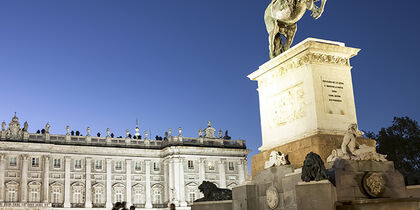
181 63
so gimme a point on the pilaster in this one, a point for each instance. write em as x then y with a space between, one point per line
88 185
166 177
128 184
222 173
67 183
202 173
108 204
24 179
46 178
176 181
171 181
181 178
241 172
2 169
148 193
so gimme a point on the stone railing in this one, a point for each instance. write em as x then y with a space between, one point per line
130 142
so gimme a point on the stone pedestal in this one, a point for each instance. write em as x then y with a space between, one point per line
316 195
276 184
306 100
322 144
349 179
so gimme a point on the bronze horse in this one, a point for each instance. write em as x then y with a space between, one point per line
281 17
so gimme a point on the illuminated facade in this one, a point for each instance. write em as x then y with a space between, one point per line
43 170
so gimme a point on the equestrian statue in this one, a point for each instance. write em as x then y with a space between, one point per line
281 17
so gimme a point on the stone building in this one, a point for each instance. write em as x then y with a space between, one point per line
47 171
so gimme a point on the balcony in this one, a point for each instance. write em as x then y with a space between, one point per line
98 205
77 205
57 205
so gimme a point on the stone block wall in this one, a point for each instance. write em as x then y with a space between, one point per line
321 144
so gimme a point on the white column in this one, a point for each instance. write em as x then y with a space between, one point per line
246 168
202 174
166 178
2 168
176 181
241 172
46 178
88 185
202 171
222 174
24 180
67 183
108 204
128 182
148 193
171 176
182 202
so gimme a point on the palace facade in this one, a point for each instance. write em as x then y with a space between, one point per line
47 171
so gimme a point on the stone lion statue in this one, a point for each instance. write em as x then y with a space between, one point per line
313 168
213 193
276 159
351 150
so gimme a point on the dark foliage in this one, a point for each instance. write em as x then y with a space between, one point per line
401 143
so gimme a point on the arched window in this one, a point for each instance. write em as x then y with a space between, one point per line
78 192
192 192
56 190
12 191
119 192
157 197
138 194
34 192
157 190
98 193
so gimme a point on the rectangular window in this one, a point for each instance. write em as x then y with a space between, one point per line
231 166
78 164
33 195
211 165
35 162
192 196
156 166
98 196
98 164
77 196
137 166
118 165
56 195
11 195
57 163
190 164
12 161
118 195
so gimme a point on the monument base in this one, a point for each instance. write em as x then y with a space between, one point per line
321 144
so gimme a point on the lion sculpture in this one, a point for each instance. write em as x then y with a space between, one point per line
276 159
313 168
213 193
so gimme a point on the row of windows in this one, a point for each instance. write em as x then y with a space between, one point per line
118 164
98 196
231 165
